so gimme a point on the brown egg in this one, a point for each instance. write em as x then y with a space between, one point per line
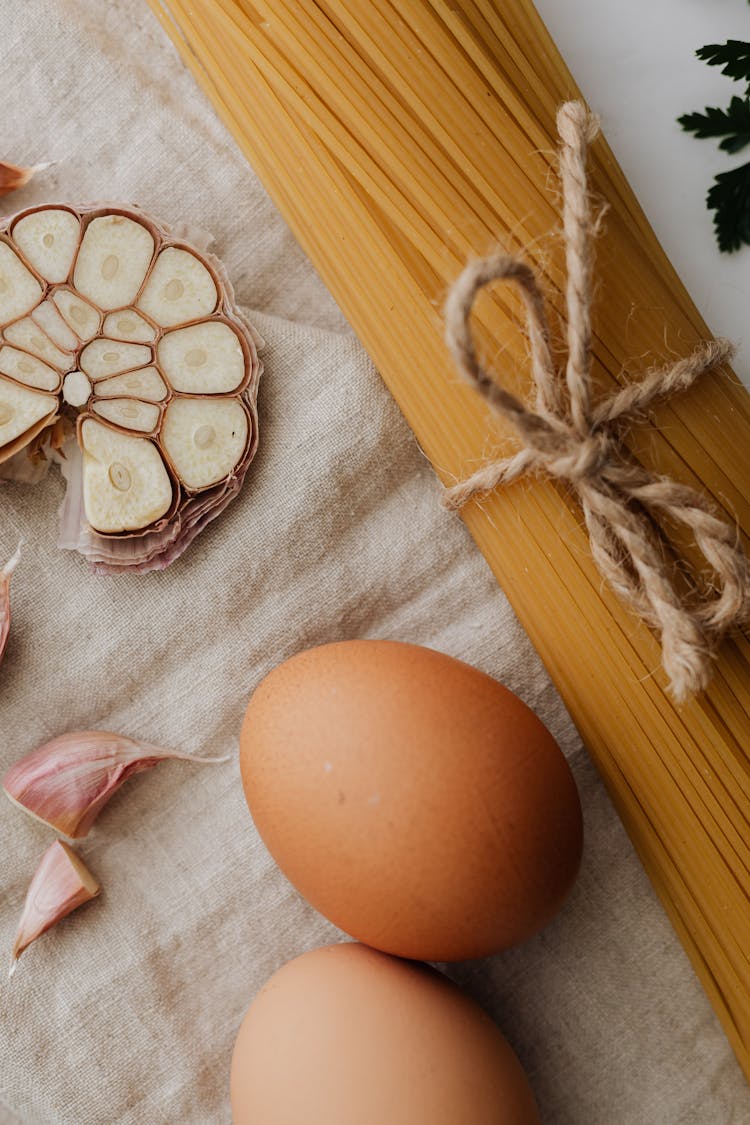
348 1036
414 801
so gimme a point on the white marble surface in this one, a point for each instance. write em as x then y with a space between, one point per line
635 63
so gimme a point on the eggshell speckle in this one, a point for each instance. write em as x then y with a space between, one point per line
414 801
348 1036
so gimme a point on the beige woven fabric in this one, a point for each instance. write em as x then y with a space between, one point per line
127 1011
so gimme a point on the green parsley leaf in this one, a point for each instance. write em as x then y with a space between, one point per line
732 123
734 54
730 199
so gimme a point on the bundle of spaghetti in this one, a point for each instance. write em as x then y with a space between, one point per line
398 141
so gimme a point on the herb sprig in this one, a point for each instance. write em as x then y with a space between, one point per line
729 197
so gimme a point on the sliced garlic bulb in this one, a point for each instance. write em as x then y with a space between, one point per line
104 315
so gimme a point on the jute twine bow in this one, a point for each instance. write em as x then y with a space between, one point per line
573 439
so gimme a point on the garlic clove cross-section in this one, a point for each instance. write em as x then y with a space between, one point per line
145 383
113 261
20 291
179 290
61 884
23 414
204 438
48 239
131 338
125 483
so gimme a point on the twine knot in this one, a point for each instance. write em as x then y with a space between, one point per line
568 436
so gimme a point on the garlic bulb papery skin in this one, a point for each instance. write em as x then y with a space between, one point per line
5 575
66 782
61 883
131 336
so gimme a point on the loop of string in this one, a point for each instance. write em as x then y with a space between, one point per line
573 439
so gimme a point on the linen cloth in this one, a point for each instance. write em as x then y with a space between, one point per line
127 1011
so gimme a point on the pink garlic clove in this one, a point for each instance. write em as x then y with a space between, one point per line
67 781
14 176
61 883
5 575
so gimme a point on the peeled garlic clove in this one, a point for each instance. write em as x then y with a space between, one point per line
67 782
48 239
14 176
61 883
5 575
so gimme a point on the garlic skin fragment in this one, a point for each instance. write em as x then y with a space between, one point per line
67 781
5 575
61 883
